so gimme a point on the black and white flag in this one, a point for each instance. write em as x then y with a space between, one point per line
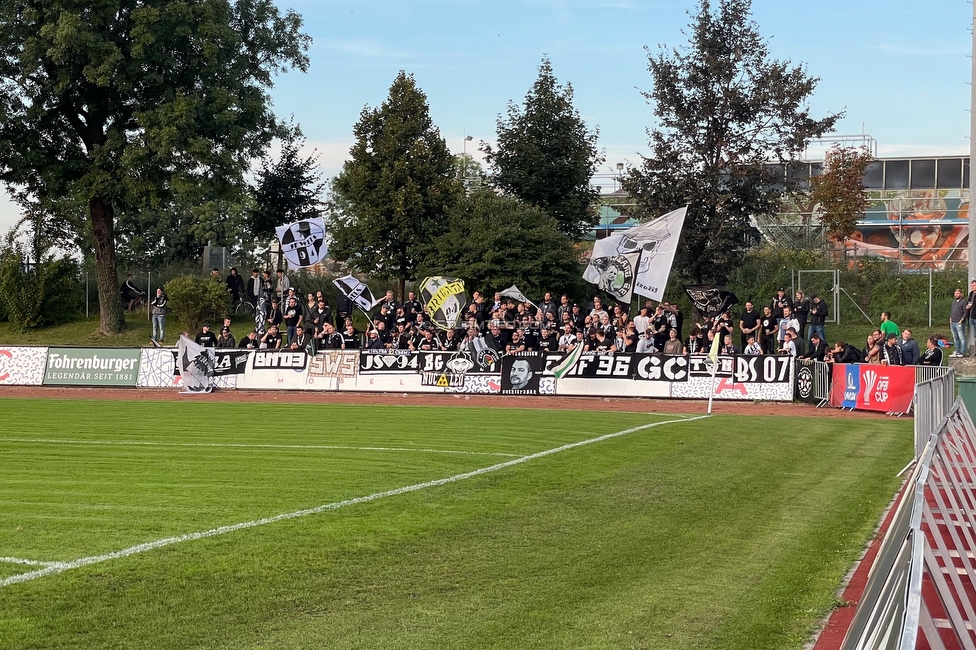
303 242
357 292
637 260
710 299
196 364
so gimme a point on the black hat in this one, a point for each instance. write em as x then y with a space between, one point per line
224 329
206 325
781 289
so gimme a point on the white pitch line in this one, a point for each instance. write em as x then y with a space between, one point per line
61 567
19 560
141 443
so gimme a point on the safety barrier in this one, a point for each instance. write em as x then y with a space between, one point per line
922 585
932 400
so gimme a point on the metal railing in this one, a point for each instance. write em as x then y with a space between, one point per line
932 401
930 542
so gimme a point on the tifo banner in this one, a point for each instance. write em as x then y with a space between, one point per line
303 242
804 387
157 368
871 387
274 370
22 366
92 367
388 361
521 373
328 369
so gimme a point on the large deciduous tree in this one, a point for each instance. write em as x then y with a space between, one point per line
506 242
397 188
725 109
839 191
130 105
546 156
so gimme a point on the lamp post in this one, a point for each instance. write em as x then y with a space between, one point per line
972 156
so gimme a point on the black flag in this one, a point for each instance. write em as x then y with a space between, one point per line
710 299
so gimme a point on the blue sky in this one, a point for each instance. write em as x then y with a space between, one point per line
899 69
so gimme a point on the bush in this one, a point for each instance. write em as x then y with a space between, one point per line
45 294
194 300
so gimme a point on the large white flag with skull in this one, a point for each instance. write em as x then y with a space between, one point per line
637 260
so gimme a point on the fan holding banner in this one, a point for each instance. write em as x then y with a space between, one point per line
637 260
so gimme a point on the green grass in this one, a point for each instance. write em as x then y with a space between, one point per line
729 532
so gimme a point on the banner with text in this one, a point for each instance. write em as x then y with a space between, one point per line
92 367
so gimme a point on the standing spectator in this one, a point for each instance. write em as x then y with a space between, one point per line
235 286
250 342
547 306
643 320
206 338
226 339
598 311
344 308
548 341
411 307
786 345
673 345
909 349
646 342
801 311
749 323
890 352
565 307
282 285
971 316
779 303
696 342
888 326
768 330
158 306
933 353
786 323
215 274
679 318
350 338
872 348
723 324
818 316
292 316
274 314
959 313
390 301
451 342
254 287
752 346
320 315
660 324
568 340
798 341
579 319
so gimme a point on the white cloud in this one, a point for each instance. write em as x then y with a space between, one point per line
909 50
365 47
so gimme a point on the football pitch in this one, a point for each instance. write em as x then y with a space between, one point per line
262 525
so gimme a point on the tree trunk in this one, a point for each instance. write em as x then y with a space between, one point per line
402 284
111 317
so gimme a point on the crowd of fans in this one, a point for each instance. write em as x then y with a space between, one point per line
790 326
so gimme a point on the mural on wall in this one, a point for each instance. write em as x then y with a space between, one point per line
920 229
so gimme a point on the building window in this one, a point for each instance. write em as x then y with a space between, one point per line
896 175
874 175
923 174
949 173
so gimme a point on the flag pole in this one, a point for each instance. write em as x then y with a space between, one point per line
713 357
